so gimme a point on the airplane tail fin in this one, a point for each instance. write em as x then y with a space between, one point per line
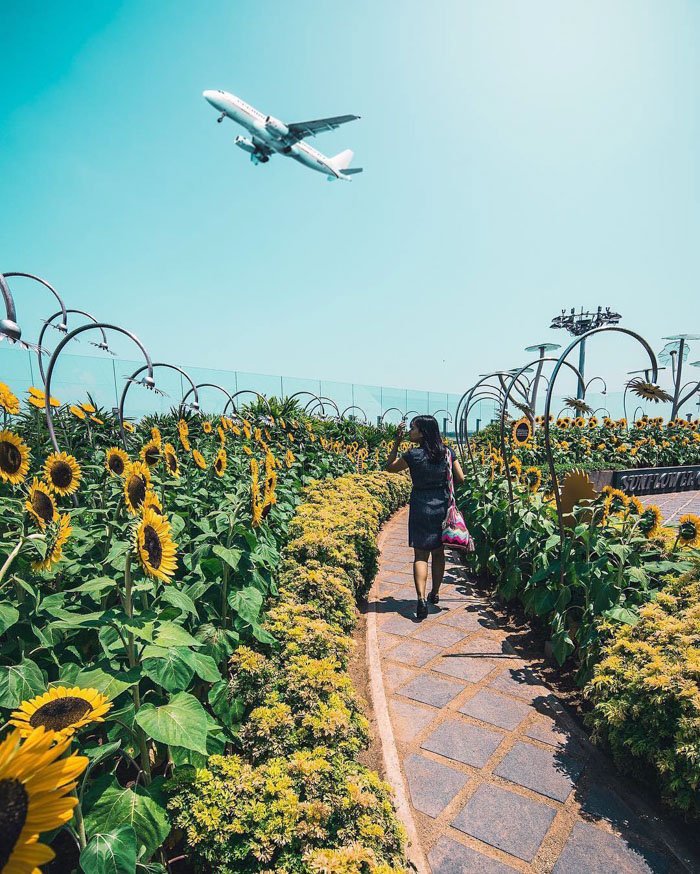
342 160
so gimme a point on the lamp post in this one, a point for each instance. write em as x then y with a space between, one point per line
578 325
40 351
9 328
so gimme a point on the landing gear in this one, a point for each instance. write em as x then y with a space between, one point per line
221 117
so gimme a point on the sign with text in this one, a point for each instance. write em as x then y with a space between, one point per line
656 480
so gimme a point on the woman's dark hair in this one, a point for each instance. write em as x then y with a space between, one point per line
432 441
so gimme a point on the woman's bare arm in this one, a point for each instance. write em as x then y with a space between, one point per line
394 464
457 472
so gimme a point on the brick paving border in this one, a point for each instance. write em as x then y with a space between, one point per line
491 773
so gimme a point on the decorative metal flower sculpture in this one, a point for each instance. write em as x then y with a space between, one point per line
579 405
649 391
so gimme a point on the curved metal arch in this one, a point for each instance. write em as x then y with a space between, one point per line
475 399
64 325
604 409
243 391
501 375
548 404
130 380
149 381
502 426
196 396
298 393
354 407
40 349
591 381
684 399
390 410
448 416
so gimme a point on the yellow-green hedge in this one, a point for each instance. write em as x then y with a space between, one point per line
646 697
295 800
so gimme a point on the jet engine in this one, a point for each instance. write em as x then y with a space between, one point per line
277 128
246 145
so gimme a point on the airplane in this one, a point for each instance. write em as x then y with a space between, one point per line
271 136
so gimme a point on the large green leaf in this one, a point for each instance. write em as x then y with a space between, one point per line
110 806
172 670
232 557
171 634
106 680
110 853
180 600
19 682
9 614
247 603
204 666
180 723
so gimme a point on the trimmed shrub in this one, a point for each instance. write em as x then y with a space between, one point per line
645 693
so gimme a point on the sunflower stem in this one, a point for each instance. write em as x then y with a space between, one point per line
15 552
133 661
79 822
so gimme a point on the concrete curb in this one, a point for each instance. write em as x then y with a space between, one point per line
386 735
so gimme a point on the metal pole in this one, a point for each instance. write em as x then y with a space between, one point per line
581 388
679 372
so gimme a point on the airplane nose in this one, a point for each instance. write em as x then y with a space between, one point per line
209 96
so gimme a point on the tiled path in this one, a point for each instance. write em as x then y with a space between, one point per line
673 505
496 775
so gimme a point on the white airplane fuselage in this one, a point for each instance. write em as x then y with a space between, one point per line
269 131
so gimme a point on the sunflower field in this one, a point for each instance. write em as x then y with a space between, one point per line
136 592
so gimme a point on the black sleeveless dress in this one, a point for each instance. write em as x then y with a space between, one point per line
429 498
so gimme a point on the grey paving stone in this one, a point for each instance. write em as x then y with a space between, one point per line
521 682
549 773
395 675
430 689
497 709
450 857
460 740
432 785
393 623
505 820
602 803
481 645
386 641
470 620
463 667
409 719
441 635
591 850
550 732
413 652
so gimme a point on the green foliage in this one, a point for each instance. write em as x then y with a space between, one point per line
645 694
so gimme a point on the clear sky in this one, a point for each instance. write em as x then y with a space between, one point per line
519 157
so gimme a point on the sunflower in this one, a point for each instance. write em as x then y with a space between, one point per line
593 422
154 545
289 458
88 408
221 434
36 392
8 401
41 504
150 453
650 520
96 420
37 398
14 458
246 429
116 461
206 426
636 507
579 422
199 459
516 467
689 529
77 412
156 436
171 461
62 472
256 503
220 462
55 541
35 785
616 500
61 710
137 479
151 502
533 478
648 390
183 427
128 427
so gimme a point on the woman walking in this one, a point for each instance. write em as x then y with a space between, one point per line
428 465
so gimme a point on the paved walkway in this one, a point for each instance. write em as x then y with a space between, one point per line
673 505
492 774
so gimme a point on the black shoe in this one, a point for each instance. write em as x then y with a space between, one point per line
434 598
422 608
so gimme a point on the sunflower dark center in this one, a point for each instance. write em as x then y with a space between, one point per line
59 713
687 530
137 490
116 464
172 461
153 547
42 505
14 805
151 455
10 457
219 463
61 474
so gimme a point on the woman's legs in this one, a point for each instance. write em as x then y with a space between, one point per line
438 569
420 571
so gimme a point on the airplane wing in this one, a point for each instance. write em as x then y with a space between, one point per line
301 129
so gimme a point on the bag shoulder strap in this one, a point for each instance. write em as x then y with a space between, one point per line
450 478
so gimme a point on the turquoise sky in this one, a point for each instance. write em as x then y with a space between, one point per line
519 157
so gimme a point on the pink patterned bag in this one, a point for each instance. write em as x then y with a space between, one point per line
454 530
